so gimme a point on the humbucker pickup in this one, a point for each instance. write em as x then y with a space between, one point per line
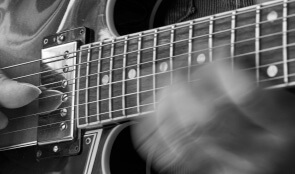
57 128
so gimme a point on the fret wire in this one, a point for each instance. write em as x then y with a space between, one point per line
214 33
285 40
196 20
250 53
138 71
245 40
163 87
154 66
196 81
171 51
163 45
124 74
213 62
98 80
111 80
190 50
287 84
129 116
233 39
87 85
257 44
211 38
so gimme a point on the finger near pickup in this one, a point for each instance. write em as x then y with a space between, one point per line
3 121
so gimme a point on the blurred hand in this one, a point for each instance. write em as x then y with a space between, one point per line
222 124
14 94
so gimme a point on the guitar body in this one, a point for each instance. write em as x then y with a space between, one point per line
23 26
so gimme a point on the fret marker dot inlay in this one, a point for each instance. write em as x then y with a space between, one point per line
105 79
201 58
272 16
272 71
163 66
132 74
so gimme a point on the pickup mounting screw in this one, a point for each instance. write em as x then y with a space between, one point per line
39 153
61 38
63 126
55 149
45 41
63 112
81 31
88 140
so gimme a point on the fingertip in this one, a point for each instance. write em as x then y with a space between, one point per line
15 94
35 90
3 121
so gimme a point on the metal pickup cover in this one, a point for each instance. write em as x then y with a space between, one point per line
56 119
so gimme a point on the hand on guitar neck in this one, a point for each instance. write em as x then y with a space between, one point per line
221 124
14 94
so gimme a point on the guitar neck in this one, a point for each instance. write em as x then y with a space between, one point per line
122 77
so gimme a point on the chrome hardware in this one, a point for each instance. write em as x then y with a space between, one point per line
81 31
61 38
64 98
64 83
66 69
55 149
59 58
39 154
45 41
63 126
63 112
88 140
66 55
54 58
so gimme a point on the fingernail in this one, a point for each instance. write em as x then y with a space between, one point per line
33 87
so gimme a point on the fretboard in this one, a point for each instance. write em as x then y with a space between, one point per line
121 78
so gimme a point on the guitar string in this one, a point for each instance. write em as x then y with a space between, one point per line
199 21
166 58
147 48
174 69
147 62
141 77
109 120
175 56
166 44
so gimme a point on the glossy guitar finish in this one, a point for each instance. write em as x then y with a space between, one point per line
23 25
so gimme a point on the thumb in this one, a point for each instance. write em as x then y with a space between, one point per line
15 94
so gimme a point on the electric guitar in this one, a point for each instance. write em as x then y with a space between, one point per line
102 73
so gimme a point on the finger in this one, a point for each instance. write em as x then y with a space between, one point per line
15 94
271 109
3 121
49 101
